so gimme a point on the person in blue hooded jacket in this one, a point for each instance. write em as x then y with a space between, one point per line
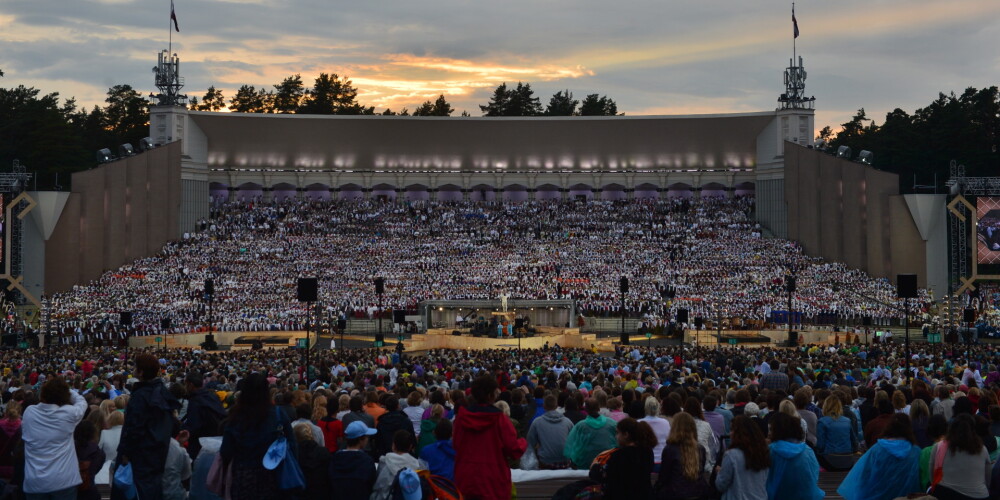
888 470
794 469
440 455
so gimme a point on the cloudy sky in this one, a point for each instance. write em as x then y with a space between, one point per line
651 56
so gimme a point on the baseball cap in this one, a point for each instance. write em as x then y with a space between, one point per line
409 483
357 429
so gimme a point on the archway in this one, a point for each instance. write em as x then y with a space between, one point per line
713 190
647 190
283 191
250 191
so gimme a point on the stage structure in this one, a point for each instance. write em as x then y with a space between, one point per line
973 235
463 315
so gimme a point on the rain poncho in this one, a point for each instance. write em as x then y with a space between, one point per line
889 469
589 438
794 472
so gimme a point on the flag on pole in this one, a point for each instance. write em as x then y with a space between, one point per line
795 24
173 17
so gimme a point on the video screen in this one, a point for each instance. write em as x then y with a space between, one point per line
988 230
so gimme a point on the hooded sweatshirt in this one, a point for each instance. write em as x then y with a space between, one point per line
484 438
440 458
388 466
889 469
794 472
353 471
549 433
588 439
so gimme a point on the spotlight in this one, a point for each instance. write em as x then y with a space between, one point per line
125 150
865 157
844 152
104 155
145 144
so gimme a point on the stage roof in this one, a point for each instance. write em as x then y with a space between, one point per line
476 144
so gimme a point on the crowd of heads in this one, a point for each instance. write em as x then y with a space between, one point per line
709 252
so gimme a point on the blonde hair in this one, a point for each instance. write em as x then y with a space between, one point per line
504 407
832 407
918 408
116 418
303 432
684 435
121 402
788 408
13 411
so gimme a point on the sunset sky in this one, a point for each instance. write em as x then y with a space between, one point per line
652 57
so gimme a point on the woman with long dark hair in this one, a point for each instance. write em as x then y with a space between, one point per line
889 469
794 471
682 465
626 474
960 465
254 423
743 475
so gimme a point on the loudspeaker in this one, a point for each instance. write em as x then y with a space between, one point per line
623 284
307 291
209 338
698 322
906 286
790 284
969 315
380 285
398 316
210 287
456 333
624 338
165 324
866 321
341 324
518 322
682 315
125 318
793 337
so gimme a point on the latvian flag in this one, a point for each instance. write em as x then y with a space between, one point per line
173 17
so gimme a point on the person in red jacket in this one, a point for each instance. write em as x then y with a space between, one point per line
484 438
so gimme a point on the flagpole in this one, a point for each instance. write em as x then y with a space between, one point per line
794 61
170 33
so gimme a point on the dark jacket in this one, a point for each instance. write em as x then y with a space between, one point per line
204 414
353 473
672 484
92 454
246 443
388 424
626 475
149 425
315 463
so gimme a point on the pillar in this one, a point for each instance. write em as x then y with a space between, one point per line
233 193
630 194
564 193
596 192
465 194
531 194
663 192
730 192
367 193
334 194
300 193
268 194
433 194
696 193
400 195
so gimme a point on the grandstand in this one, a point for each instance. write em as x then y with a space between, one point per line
178 213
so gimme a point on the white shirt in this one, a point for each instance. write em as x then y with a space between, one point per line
50 462
176 470
109 442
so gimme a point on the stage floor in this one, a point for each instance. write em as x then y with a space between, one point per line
443 339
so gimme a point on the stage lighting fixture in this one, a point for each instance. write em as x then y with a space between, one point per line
865 157
145 144
125 150
844 152
104 155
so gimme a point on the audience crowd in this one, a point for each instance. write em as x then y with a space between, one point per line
677 422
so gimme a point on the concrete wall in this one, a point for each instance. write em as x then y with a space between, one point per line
848 212
115 214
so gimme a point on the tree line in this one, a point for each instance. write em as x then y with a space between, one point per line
962 127
332 94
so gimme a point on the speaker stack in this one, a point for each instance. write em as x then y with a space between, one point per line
308 289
